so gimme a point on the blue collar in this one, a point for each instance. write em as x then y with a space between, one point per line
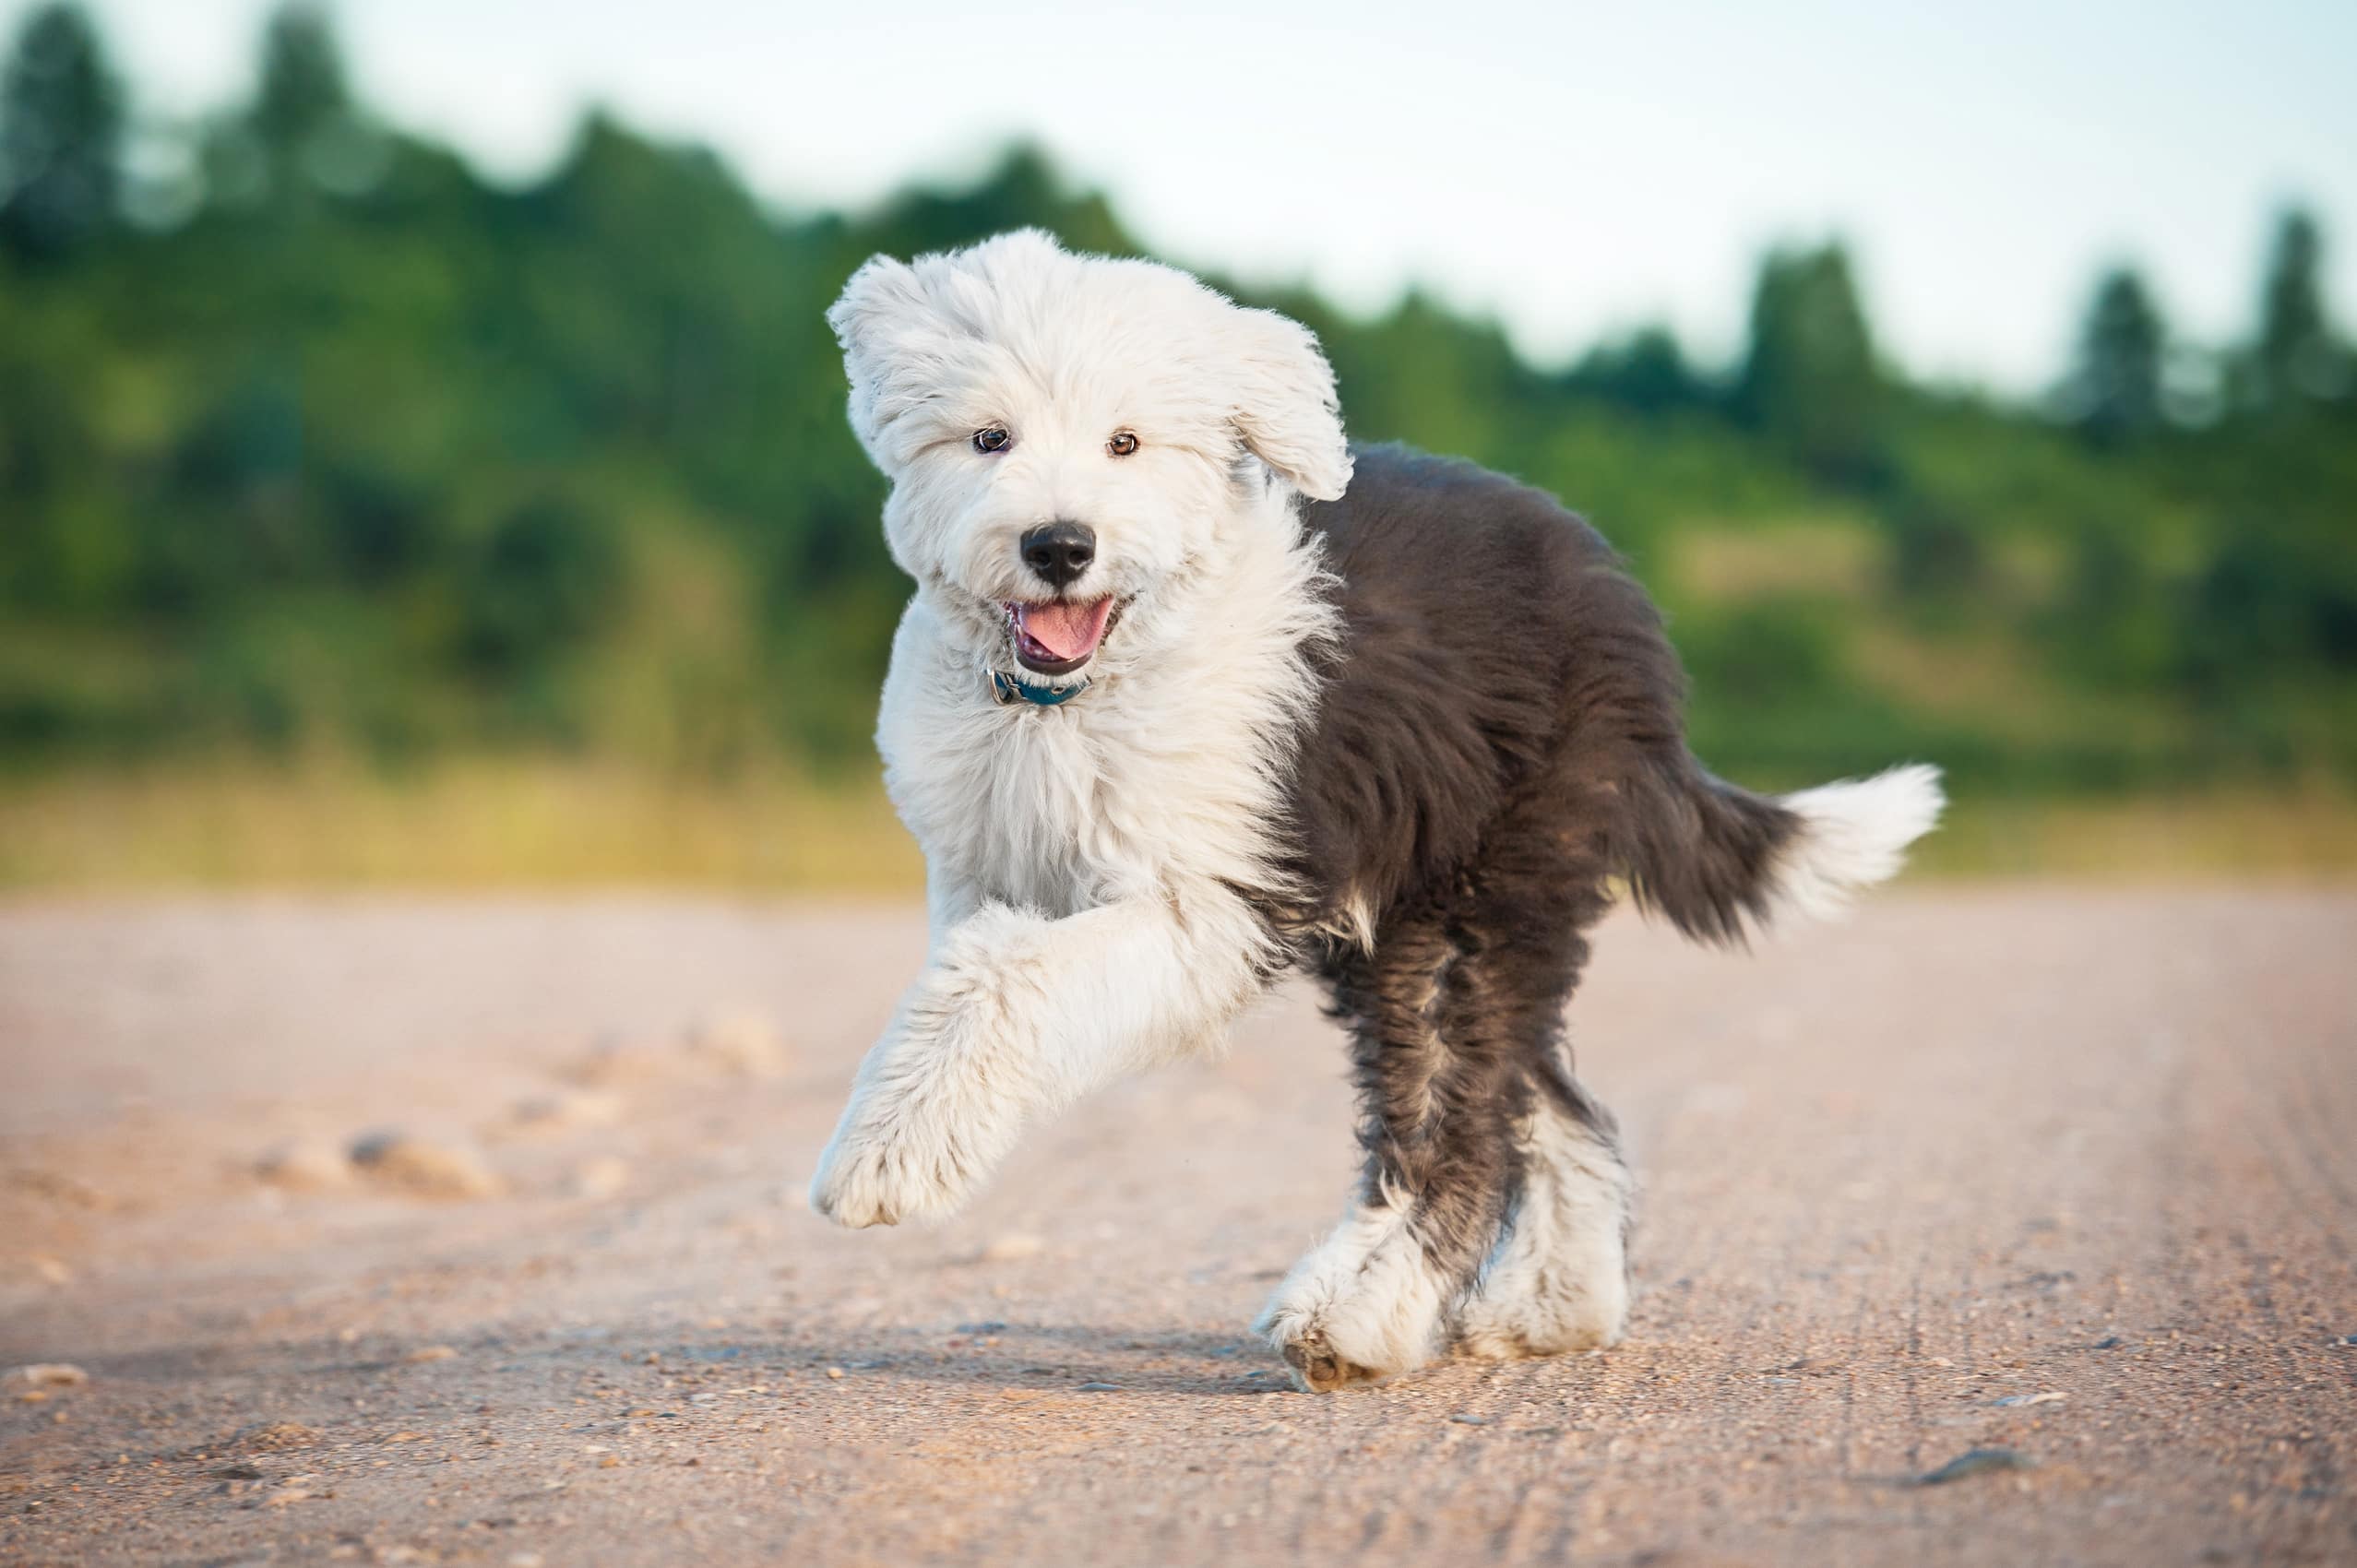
1005 689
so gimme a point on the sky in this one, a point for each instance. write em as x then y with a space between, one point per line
1573 168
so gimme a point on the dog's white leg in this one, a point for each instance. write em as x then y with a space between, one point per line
1019 1014
1559 1279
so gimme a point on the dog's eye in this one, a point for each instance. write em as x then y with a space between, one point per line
994 439
1122 444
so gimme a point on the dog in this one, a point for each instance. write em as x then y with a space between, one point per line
1192 695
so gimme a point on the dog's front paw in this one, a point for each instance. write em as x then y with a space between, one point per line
871 1176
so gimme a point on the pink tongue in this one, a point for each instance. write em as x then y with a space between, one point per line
1066 630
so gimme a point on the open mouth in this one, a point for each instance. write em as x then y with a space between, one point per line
1059 636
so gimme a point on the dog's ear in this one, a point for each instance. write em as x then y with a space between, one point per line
882 310
1285 406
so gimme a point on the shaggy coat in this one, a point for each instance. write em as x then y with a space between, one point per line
1191 695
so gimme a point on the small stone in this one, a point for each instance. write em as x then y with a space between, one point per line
58 1187
305 1165
608 1463
566 1110
424 1167
835 1373
428 1353
2013 1401
279 1437
744 1042
1471 1421
1974 1462
239 1472
1013 1247
990 1326
600 1179
2109 1342
1100 1388
610 1061
49 1374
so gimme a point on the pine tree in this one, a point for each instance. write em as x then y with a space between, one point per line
2296 359
1809 379
61 136
303 132
2115 387
303 89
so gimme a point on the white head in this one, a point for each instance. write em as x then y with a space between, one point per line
1071 438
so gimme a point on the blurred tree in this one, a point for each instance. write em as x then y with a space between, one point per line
302 122
2296 360
1646 372
1421 373
2114 392
303 89
1022 189
61 136
1809 380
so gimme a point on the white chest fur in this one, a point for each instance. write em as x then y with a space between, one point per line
1163 781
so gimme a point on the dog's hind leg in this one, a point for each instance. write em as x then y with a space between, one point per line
1467 1119
1558 1279
1437 1111
1449 1016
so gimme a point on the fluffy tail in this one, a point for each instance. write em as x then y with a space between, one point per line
1716 860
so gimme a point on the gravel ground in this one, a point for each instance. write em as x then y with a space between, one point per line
2069 1176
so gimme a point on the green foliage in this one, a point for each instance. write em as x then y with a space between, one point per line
367 454
535 585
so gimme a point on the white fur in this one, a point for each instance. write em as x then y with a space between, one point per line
1088 864
1854 834
1558 1279
1368 1293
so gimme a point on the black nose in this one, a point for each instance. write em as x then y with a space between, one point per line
1060 551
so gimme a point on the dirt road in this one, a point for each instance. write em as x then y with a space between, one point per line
2071 1175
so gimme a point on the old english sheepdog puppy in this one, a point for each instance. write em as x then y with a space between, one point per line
1192 695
